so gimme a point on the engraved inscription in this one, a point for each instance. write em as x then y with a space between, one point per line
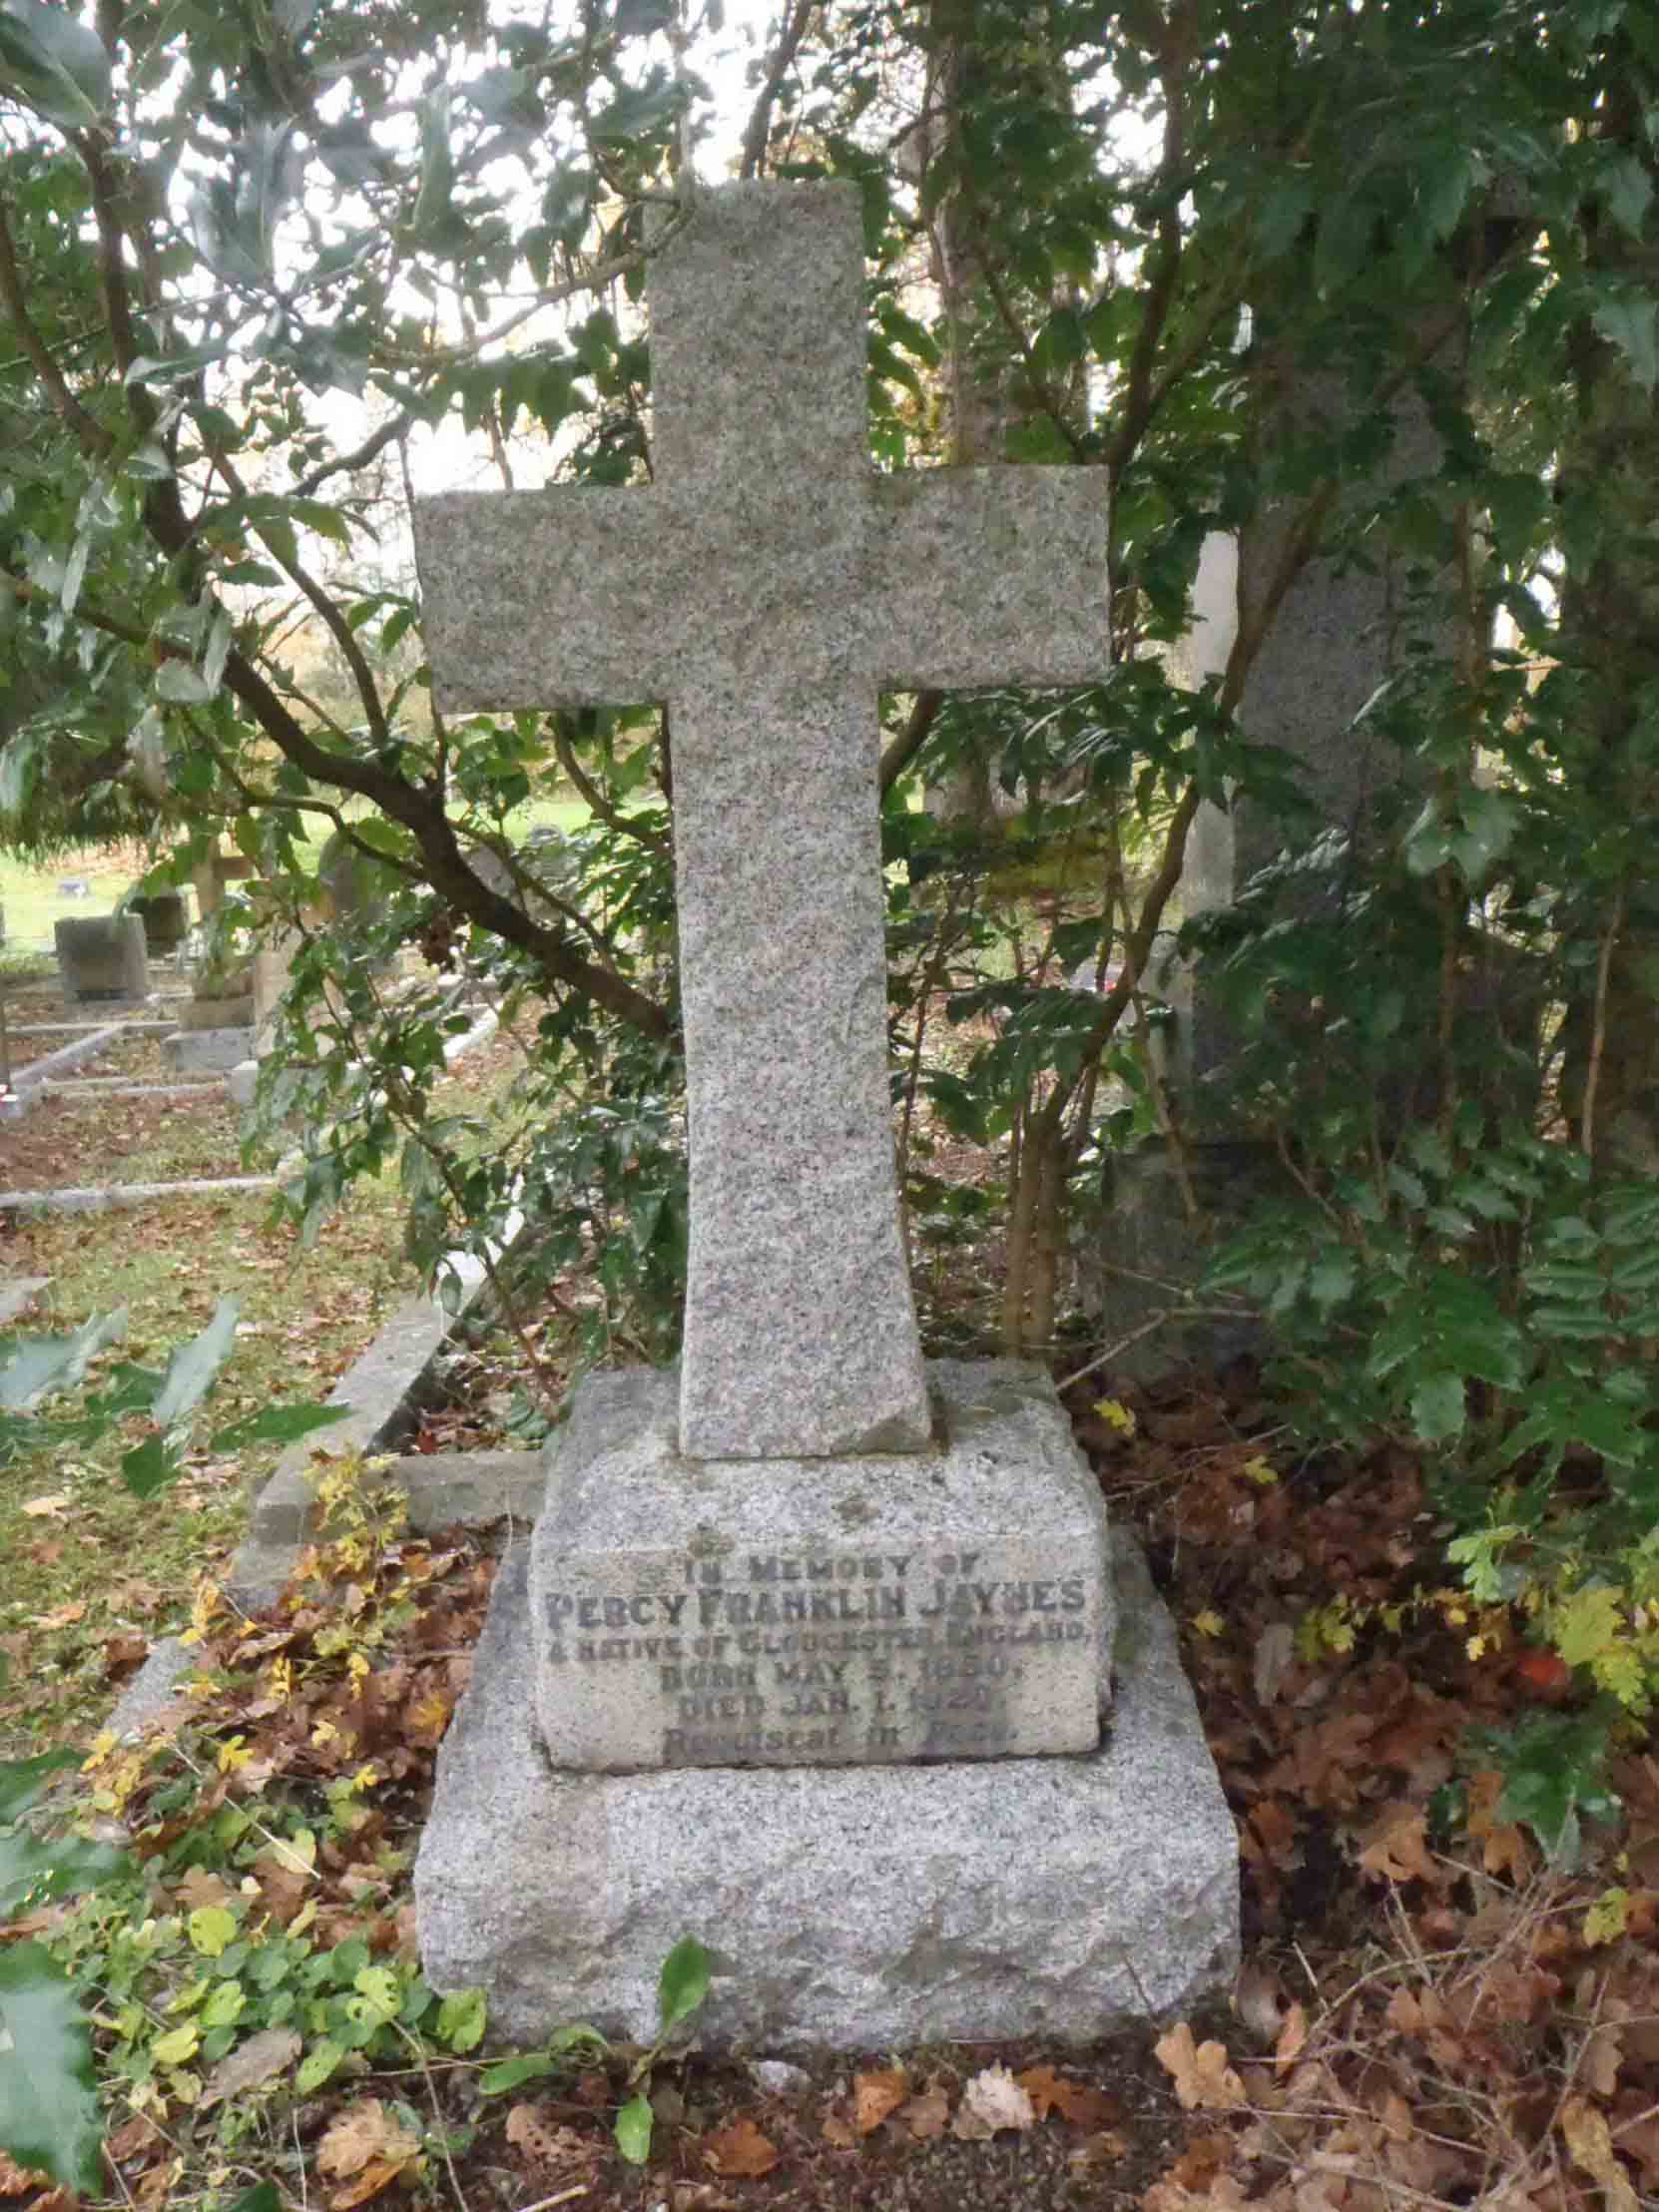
826 1657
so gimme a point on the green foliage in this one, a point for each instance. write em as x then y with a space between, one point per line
49 2114
38 1367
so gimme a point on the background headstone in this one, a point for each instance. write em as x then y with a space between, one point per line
166 920
103 958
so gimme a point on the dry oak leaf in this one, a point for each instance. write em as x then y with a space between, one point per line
1073 2100
201 1886
260 2059
740 2149
1291 2036
15 2180
925 2115
876 2094
378 2175
544 2143
1591 2145
363 2136
1202 2078
993 2100
1396 1847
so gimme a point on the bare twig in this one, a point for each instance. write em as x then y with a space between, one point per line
1598 1030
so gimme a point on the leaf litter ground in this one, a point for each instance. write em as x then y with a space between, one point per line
1429 2015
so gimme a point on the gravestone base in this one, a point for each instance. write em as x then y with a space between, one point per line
208 1051
845 1908
951 1602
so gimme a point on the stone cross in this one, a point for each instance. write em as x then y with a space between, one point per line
766 587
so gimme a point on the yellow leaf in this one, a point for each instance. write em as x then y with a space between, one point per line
1115 1415
1608 1918
1591 2145
1261 1471
211 1930
177 2044
1209 1623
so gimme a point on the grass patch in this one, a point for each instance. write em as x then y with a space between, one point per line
93 1572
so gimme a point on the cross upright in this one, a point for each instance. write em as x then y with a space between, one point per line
766 586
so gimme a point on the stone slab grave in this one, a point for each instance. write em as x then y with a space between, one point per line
102 958
814 1649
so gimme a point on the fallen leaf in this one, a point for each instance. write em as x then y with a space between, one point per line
378 2175
1202 2078
1395 1846
260 2059
1201 2161
1104 2149
15 2181
123 1653
837 2131
1073 2100
140 2133
544 2141
993 2100
201 1886
1291 2036
740 2149
875 2096
365 2135
154 2189
1587 2137
925 2115
62 1616
44 1508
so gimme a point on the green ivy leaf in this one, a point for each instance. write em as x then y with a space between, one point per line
683 1982
462 2019
633 2130
317 2066
48 2104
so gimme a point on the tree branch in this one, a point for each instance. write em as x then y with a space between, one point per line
897 758
90 434
594 797
759 130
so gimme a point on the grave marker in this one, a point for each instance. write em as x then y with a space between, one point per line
768 586
810 1552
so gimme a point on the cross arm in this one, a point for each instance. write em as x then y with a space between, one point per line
989 576
547 598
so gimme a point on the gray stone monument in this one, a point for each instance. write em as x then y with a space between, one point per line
102 959
811 1652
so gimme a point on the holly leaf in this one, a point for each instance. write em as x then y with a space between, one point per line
54 64
1632 324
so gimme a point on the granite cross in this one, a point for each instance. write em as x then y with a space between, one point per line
766 587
